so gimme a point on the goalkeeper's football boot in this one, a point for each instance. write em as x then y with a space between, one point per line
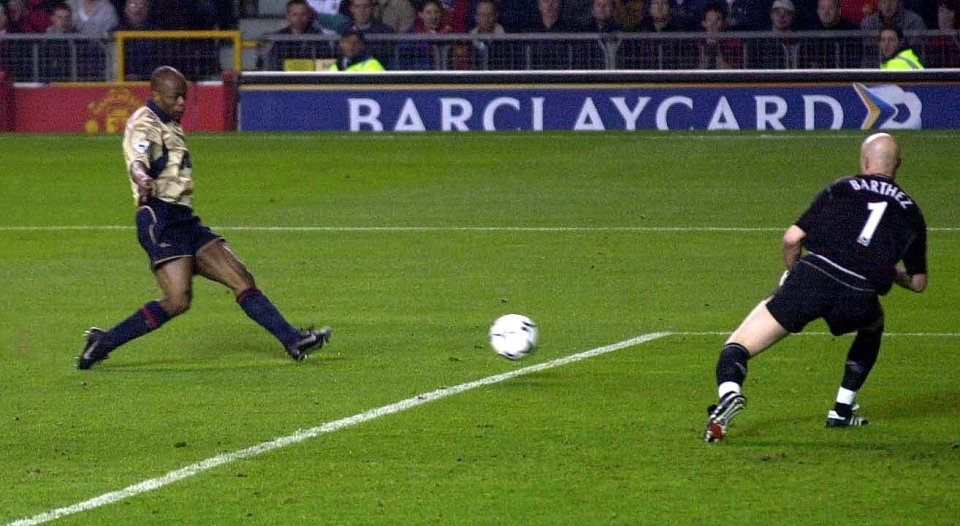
92 351
721 414
308 341
837 419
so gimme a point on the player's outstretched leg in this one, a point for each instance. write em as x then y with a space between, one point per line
860 360
99 343
731 372
216 261
298 343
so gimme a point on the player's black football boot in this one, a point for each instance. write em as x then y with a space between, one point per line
92 352
835 419
309 340
721 414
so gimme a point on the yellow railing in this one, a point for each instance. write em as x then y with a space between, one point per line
123 36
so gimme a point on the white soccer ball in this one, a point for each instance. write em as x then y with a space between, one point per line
513 336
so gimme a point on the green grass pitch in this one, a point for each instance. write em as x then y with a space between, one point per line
410 246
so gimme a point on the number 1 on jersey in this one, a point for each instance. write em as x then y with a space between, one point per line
876 212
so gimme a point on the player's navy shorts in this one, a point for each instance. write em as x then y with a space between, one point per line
168 231
811 292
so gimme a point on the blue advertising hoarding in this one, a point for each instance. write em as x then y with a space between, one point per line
837 105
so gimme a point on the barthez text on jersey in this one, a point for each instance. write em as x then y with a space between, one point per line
882 188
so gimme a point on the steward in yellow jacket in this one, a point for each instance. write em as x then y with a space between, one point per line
353 54
896 54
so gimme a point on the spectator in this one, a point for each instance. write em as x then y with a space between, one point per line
632 15
604 19
93 18
432 19
661 17
487 19
944 51
27 16
831 53
55 61
748 15
426 55
11 52
895 52
140 55
688 14
353 55
299 19
717 52
361 14
554 53
781 51
664 54
398 14
891 13
829 17
489 54
854 11
456 14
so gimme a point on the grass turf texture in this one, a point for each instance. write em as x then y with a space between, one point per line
614 439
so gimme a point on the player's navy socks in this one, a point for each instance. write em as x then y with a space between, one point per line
261 310
863 354
150 317
732 365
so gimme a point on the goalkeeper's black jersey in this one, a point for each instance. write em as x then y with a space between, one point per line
862 226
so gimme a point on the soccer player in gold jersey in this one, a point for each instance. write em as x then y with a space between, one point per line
178 244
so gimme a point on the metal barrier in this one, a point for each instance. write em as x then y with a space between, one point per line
129 56
614 51
201 55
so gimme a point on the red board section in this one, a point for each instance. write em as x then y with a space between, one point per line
105 107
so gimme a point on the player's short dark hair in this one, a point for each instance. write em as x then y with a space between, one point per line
291 3
352 31
61 6
714 6
891 27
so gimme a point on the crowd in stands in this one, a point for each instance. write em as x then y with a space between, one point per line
714 19
79 59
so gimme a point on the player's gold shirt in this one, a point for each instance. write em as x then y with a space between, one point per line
158 142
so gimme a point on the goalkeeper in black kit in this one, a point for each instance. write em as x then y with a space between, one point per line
861 235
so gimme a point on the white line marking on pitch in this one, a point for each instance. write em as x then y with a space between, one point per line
329 427
66 228
813 333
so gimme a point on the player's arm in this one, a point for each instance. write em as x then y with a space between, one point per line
792 245
140 176
140 142
914 282
911 274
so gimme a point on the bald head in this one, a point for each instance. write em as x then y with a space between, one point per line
168 89
166 75
880 155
